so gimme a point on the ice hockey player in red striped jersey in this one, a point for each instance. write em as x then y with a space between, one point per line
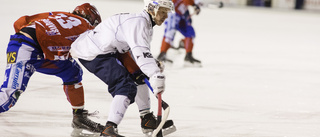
41 44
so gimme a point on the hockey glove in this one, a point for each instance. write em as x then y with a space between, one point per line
157 82
196 9
160 65
138 77
182 23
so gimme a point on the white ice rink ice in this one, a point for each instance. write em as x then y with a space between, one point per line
260 76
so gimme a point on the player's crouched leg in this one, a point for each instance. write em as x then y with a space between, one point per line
6 102
75 95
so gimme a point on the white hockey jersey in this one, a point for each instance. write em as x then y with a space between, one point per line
119 33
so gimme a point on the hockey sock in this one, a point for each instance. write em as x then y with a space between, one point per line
165 45
75 95
118 108
144 112
188 43
142 99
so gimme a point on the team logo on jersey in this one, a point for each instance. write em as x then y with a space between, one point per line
72 38
17 71
53 30
147 55
59 48
11 57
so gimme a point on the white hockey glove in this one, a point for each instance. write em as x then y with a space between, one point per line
157 82
196 9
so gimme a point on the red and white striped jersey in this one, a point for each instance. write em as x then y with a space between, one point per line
55 31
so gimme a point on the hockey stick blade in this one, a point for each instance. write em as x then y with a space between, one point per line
163 121
216 5
166 109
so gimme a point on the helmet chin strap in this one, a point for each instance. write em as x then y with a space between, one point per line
155 10
154 17
153 14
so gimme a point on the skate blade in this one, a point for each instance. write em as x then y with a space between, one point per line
166 131
169 130
195 64
147 132
83 133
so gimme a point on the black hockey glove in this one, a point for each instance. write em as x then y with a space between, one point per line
196 9
182 23
138 77
160 65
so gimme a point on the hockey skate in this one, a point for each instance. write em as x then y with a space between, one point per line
110 130
83 126
180 46
163 57
190 61
149 123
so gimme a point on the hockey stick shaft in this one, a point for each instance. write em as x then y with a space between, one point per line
162 104
159 116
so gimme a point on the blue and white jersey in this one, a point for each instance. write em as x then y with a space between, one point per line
119 33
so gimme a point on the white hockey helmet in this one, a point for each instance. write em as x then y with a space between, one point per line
154 5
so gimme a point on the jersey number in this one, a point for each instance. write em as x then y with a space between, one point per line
67 23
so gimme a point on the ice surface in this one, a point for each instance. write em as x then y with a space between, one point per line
260 76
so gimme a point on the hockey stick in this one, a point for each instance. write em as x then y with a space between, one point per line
166 108
159 116
215 5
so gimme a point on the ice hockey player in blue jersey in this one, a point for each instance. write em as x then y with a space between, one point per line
180 21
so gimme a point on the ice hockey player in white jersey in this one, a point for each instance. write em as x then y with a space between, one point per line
98 49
